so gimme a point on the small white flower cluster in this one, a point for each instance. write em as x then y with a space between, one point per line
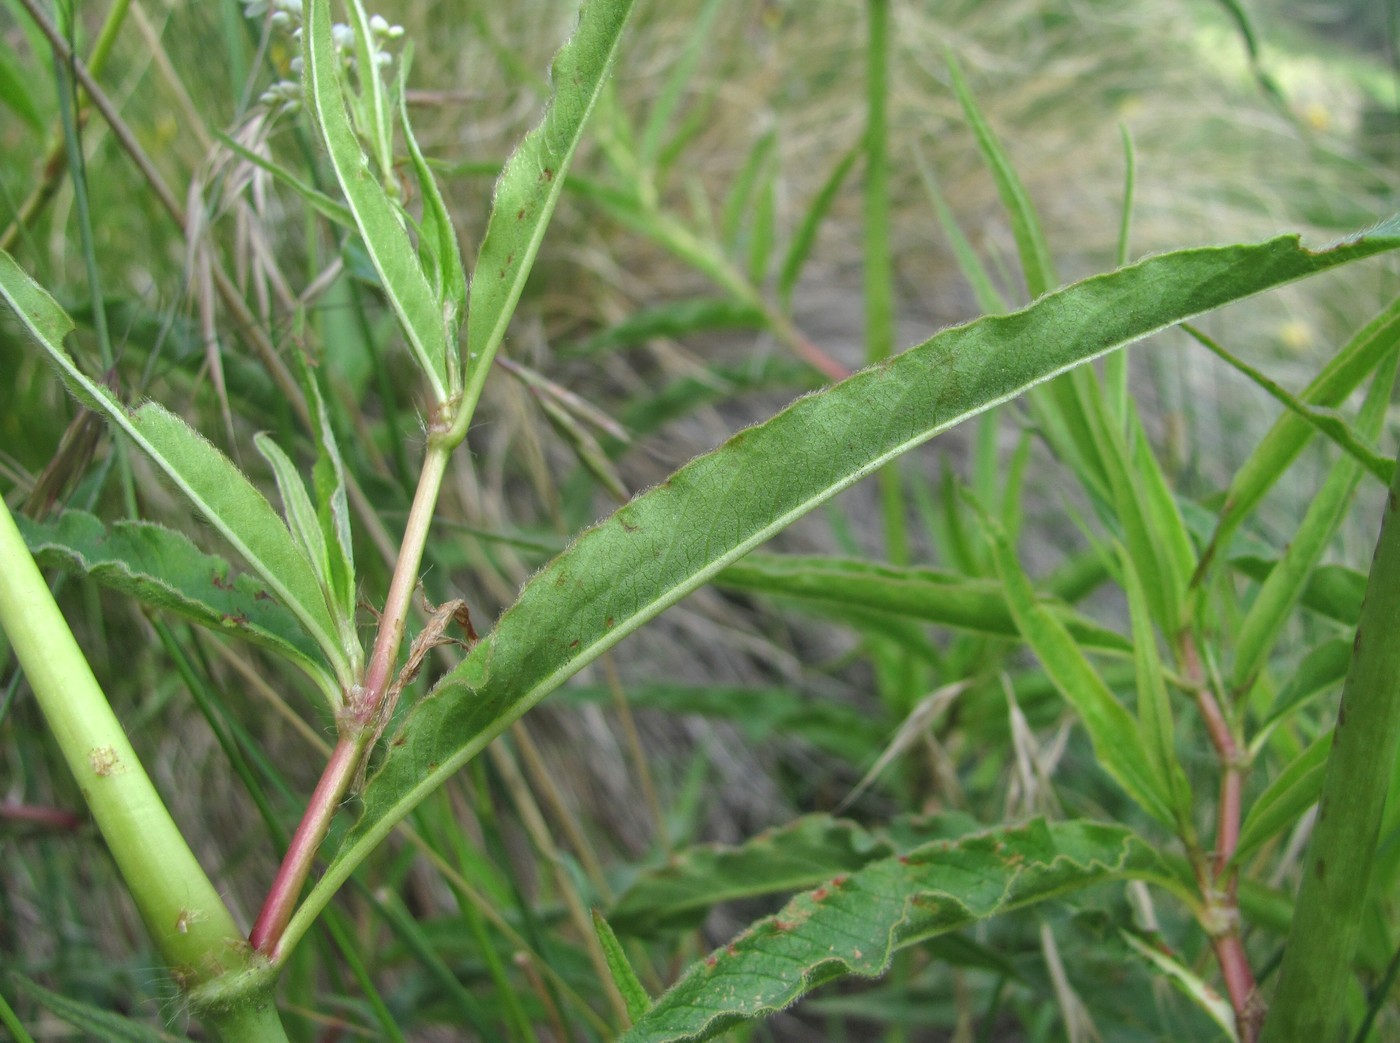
287 16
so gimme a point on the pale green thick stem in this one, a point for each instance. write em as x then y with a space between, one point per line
1332 901
191 926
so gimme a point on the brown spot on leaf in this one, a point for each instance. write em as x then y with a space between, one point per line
546 174
104 761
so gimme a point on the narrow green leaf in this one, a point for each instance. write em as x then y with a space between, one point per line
679 535
529 186
300 512
336 213
759 713
1154 704
854 924
1119 747
437 239
1342 374
94 1022
371 103
1323 667
1036 264
989 298
1288 795
629 986
739 205
1272 606
380 222
1328 424
1189 982
162 568
206 477
675 319
938 597
14 91
661 120
799 854
332 510
806 235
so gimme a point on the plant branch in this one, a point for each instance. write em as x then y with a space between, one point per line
1220 883
368 707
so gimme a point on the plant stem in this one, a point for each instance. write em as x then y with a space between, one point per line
1220 882
193 929
366 706
1333 898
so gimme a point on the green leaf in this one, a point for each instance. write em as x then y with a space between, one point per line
94 1022
1291 792
379 220
529 186
1342 374
629 986
675 319
14 91
437 237
203 474
1036 264
1119 746
796 855
1189 982
164 569
1262 624
1328 423
937 597
679 535
759 713
806 235
661 119
854 925
335 212
1155 721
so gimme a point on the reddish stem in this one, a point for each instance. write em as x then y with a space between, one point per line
1220 886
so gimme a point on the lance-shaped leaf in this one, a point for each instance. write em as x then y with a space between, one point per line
162 568
380 222
961 602
854 923
799 854
529 186
209 479
676 537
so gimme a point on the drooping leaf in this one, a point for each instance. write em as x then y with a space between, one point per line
211 482
162 568
854 923
677 536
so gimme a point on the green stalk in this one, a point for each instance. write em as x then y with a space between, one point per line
193 929
1332 902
